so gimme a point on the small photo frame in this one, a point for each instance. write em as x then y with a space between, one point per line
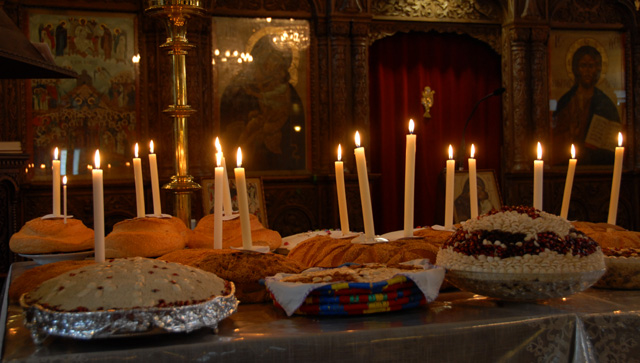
254 192
488 194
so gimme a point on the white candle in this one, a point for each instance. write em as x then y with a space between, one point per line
55 168
409 181
365 195
217 209
568 184
226 191
98 210
448 200
243 203
137 173
342 196
228 209
64 198
537 179
473 184
615 185
155 184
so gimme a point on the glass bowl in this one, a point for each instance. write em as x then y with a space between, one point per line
523 286
622 273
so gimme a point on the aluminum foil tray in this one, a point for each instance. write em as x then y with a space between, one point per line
43 322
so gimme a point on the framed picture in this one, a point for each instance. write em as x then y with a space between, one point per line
488 194
587 95
96 110
254 191
261 91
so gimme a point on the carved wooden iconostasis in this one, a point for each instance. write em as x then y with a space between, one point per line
337 102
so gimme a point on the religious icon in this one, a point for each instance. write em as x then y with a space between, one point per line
263 102
587 114
95 110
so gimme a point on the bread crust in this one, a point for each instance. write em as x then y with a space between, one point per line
202 236
145 237
44 236
244 269
609 236
324 251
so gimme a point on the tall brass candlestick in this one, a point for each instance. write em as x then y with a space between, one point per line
175 14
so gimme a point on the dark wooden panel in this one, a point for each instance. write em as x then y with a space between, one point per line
12 170
589 198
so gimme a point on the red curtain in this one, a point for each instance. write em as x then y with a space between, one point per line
461 70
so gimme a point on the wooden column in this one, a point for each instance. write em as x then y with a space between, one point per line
360 70
539 87
517 116
340 90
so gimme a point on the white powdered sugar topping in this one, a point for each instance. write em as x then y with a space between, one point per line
127 283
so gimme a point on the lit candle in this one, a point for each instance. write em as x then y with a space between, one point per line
342 198
365 195
98 210
568 184
228 209
217 209
64 198
55 168
537 179
243 203
137 173
155 184
615 185
409 181
473 184
448 200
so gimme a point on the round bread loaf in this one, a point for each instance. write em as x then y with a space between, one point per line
30 279
202 236
246 270
43 236
146 237
610 236
520 240
324 251
127 283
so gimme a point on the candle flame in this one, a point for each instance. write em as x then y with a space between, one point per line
136 150
239 157
411 126
573 151
97 159
218 146
450 151
357 139
218 158
619 138
64 180
151 147
339 152
473 150
55 153
539 151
